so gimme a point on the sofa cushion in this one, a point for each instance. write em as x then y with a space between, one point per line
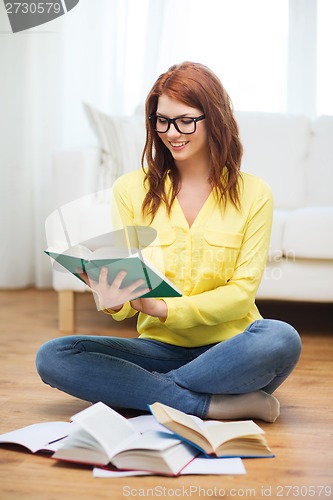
319 163
275 146
308 233
301 280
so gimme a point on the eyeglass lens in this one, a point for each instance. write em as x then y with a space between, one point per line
184 125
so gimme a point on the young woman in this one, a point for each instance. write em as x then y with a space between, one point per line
209 352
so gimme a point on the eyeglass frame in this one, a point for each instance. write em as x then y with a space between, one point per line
173 121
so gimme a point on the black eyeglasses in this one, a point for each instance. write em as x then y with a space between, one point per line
183 124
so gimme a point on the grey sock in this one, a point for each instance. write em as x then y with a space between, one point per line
257 404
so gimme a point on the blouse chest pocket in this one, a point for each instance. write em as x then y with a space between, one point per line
161 251
220 253
145 235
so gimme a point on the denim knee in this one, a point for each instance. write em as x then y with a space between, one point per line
45 358
286 339
41 357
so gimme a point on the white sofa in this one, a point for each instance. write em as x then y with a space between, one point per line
293 154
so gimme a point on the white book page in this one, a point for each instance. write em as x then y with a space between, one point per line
152 440
188 421
219 432
108 427
198 466
147 423
37 437
218 466
109 474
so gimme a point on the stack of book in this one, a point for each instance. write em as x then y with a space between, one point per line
167 442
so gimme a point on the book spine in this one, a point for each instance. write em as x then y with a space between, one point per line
83 266
146 275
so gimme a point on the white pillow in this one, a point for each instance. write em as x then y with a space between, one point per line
275 146
121 139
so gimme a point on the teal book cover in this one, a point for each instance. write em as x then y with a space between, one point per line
135 266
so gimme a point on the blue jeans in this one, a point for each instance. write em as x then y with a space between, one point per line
134 372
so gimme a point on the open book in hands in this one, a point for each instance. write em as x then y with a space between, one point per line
98 252
221 439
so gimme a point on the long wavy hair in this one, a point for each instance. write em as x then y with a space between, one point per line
197 86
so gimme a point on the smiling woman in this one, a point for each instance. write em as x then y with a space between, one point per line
208 352
197 155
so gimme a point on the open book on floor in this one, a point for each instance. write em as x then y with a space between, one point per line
93 254
44 437
102 436
221 439
162 455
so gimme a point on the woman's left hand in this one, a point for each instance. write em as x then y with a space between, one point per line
153 307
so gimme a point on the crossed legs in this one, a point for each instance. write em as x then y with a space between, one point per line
231 379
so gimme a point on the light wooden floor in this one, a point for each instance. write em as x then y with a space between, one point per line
301 438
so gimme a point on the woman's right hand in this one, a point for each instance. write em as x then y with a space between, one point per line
112 296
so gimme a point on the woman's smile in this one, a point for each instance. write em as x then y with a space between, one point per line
178 145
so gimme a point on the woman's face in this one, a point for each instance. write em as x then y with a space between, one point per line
183 147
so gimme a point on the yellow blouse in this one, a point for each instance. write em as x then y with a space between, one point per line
217 263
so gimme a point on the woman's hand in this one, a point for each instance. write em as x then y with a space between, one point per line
112 296
153 307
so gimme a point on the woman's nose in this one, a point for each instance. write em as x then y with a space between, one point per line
173 132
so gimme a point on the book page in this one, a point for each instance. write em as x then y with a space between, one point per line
215 432
220 432
198 466
79 251
112 253
108 427
153 440
147 423
165 413
202 465
37 437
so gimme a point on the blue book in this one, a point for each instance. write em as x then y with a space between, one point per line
214 438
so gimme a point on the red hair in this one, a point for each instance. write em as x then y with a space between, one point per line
197 86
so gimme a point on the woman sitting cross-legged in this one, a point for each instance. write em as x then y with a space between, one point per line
209 352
